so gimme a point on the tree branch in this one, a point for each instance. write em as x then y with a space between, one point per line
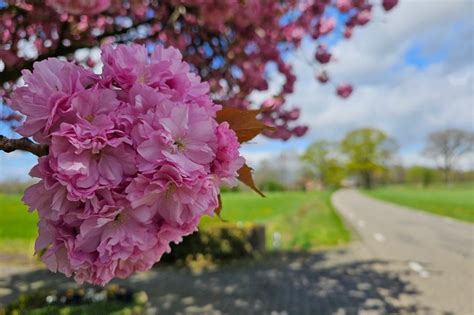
23 144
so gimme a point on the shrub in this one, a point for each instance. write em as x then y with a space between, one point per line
271 185
220 241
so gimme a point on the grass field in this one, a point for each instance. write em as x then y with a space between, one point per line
456 202
17 225
304 220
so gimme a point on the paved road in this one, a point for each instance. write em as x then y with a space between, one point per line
438 250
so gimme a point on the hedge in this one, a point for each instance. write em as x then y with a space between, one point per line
220 241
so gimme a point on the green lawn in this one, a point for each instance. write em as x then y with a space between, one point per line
456 202
17 225
304 219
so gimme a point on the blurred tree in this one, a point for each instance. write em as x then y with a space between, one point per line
268 176
272 185
281 171
446 146
368 150
396 173
422 175
460 176
323 163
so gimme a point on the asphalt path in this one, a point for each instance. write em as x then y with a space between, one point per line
439 251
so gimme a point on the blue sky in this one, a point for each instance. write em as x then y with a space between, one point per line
413 73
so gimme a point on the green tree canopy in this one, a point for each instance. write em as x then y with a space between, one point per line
321 158
367 151
421 175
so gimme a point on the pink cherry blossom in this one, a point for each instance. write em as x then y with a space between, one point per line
344 5
300 130
176 197
344 90
348 32
363 17
90 156
389 4
48 94
228 161
322 54
125 64
327 25
136 158
322 77
80 6
47 196
178 133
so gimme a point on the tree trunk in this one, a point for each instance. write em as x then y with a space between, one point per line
446 175
367 179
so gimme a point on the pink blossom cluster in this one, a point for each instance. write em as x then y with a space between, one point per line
344 90
231 43
80 6
136 158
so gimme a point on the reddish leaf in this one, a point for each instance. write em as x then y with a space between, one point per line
245 176
219 207
243 122
218 210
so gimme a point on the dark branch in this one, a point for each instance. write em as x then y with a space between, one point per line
23 144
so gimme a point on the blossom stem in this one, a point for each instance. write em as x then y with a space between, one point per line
23 144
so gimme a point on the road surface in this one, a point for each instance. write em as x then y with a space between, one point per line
439 251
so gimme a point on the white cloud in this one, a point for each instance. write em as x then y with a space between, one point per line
382 43
407 108
255 158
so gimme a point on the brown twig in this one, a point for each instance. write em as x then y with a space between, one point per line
23 144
